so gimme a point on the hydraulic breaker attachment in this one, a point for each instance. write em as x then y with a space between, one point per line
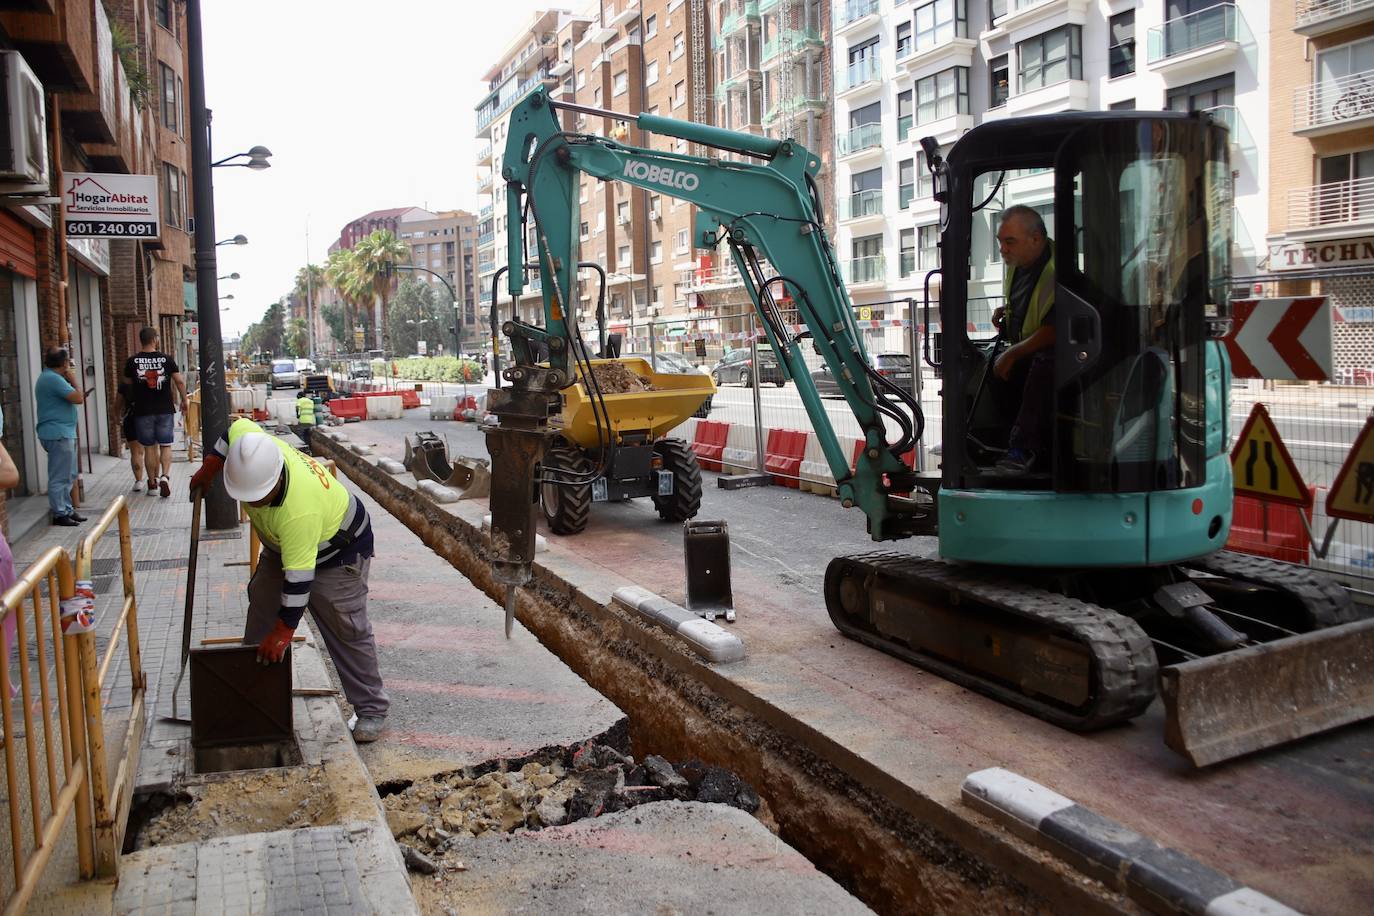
516 442
428 459
1226 705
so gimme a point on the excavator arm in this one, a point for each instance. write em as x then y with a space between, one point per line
766 210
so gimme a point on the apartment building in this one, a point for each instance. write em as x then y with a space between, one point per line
936 68
88 112
1321 155
446 244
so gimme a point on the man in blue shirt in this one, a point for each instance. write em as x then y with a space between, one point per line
58 393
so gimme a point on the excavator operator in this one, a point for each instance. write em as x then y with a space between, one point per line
1024 366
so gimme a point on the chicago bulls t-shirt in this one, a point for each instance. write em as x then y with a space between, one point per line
152 388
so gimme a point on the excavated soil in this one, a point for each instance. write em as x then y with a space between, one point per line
614 378
248 803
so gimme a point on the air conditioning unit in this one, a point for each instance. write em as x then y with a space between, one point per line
24 147
654 213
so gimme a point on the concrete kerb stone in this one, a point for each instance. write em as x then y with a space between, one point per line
567 602
391 466
1161 879
438 492
709 640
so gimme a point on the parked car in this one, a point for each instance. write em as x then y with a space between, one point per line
738 366
360 369
304 365
284 374
676 364
896 367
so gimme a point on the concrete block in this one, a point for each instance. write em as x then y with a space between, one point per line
712 642
358 448
391 466
438 492
741 447
386 407
441 406
283 409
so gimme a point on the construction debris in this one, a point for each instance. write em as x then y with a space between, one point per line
615 378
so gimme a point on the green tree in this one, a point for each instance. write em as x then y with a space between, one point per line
342 274
309 280
298 338
375 256
333 315
419 311
273 332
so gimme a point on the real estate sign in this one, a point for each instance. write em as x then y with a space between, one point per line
110 206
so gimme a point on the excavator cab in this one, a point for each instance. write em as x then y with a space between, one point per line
1138 210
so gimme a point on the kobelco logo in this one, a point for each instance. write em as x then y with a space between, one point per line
669 178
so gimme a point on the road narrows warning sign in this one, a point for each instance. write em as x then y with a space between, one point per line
1261 465
1352 492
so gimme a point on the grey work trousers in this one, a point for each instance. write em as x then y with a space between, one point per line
338 603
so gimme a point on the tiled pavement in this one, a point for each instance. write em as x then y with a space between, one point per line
299 871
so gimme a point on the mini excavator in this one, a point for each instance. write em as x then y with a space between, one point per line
1078 592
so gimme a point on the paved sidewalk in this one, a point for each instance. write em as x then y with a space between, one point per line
349 865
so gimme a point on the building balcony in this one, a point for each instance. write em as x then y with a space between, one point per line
711 279
484 184
957 52
60 44
1336 208
1321 17
1332 106
485 117
945 128
738 21
1235 124
865 74
562 68
1201 38
796 103
486 238
484 213
862 207
626 14
1028 16
788 42
864 138
1065 95
484 155
865 272
851 15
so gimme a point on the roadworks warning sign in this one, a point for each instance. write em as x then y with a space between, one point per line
1261 465
1352 493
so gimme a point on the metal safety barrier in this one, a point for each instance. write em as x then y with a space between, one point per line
56 659
111 798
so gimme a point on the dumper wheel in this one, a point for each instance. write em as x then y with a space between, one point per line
681 462
566 506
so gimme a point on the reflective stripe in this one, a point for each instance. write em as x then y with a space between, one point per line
299 575
295 600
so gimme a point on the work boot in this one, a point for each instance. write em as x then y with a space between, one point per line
65 521
368 729
79 518
164 486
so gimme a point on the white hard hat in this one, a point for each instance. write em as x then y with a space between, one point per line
252 467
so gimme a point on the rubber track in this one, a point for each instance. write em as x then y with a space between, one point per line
1125 664
1326 601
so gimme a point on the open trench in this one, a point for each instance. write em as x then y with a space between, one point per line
893 850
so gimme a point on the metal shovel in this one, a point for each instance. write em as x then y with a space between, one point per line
196 497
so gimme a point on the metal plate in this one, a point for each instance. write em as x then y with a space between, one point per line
234 700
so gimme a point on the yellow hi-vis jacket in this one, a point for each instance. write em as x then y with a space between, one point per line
1041 299
305 411
314 522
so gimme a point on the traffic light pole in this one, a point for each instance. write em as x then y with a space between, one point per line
220 510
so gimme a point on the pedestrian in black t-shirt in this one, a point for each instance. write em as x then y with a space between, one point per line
150 374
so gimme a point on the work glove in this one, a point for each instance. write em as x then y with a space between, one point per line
273 648
205 475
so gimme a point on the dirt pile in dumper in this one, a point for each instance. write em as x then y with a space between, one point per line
432 817
614 378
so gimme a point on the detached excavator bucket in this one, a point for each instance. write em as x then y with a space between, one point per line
428 459
1248 699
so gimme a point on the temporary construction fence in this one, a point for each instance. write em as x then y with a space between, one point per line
67 699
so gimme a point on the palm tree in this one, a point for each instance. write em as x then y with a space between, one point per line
376 255
341 273
298 337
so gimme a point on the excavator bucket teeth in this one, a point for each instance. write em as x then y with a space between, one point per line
428 459
1260 696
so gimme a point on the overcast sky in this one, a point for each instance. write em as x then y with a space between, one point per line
364 106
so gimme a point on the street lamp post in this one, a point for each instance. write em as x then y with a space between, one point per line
236 240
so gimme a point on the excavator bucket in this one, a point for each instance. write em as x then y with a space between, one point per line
428 459
1260 696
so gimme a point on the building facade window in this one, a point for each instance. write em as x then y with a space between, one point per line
999 81
651 73
171 101
581 78
680 93
1050 58
622 256
930 248
904 114
938 22
622 212
942 95
174 208
906 183
656 252
679 46
620 83
925 182
906 245
681 242
1121 49
165 16
903 39
650 26
1203 95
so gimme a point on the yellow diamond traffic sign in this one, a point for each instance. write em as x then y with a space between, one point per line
1261 465
1352 493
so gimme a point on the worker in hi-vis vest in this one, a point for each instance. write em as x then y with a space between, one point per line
1025 364
305 418
316 550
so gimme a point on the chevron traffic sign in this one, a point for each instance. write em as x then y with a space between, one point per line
1286 338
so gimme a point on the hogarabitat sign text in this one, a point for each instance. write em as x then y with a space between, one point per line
1309 255
110 206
